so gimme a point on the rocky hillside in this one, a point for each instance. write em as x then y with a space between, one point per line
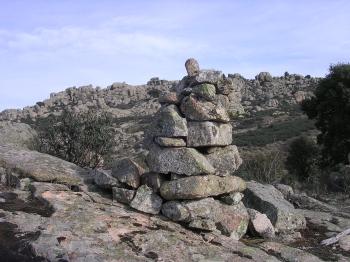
257 102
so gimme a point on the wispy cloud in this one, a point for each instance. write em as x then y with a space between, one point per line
64 43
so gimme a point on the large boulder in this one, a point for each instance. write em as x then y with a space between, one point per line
181 160
17 134
209 214
146 200
268 200
195 187
225 160
128 172
199 109
170 123
209 134
40 167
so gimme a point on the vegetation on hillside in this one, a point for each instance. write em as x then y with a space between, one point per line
86 139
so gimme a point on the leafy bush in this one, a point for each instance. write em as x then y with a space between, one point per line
85 139
303 159
266 166
330 107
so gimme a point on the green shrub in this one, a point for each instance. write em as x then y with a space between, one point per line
303 159
330 108
85 139
265 166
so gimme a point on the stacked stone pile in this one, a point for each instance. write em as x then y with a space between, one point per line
191 159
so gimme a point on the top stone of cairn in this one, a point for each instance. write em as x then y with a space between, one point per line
192 67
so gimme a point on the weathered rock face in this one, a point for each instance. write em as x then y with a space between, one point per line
268 200
222 157
198 109
209 134
123 195
102 230
182 160
170 123
40 167
195 187
146 201
17 134
209 214
128 172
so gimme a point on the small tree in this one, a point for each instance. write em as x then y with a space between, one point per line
330 107
81 138
303 158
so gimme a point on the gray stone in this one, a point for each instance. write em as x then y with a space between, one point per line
232 198
170 123
209 214
181 160
268 200
153 180
169 98
198 109
195 187
289 254
170 142
206 91
264 77
176 211
146 201
229 85
260 224
286 190
123 195
344 243
104 179
225 160
128 172
40 167
203 134
207 76
192 67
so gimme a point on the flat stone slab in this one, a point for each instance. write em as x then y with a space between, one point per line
183 160
40 167
195 187
170 141
209 134
268 200
209 214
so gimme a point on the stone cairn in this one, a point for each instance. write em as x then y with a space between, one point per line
191 159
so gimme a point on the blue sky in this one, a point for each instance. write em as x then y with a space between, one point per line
49 45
